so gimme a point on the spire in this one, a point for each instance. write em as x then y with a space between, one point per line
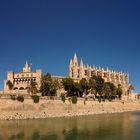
26 65
70 68
75 60
71 63
81 63
107 69
26 68
75 57
81 72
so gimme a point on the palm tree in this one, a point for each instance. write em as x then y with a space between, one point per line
47 85
130 89
10 85
32 88
119 91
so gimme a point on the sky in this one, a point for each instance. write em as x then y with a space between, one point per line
104 33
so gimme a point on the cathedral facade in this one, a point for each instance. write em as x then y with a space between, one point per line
21 80
78 71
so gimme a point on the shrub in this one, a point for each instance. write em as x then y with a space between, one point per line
13 97
63 98
74 99
35 98
103 99
99 100
69 99
109 99
51 97
20 98
84 102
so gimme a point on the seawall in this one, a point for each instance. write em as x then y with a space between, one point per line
56 108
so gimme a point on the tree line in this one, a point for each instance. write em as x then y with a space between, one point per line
95 87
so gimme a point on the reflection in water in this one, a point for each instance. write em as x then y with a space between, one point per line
100 127
18 136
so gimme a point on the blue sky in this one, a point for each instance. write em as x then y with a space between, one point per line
48 32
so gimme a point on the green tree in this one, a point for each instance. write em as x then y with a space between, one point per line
72 88
108 90
35 98
74 99
63 97
84 86
47 85
10 85
96 83
32 88
77 89
119 91
58 85
68 85
20 98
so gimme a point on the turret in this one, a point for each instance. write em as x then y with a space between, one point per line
26 68
71 63
71 69
81 73
81 63
75 60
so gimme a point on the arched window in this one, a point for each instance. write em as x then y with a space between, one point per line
15 88
26 88
21 88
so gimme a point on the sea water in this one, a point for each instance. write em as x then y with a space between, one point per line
121 126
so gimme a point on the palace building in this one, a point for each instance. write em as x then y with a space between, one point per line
78 72
21 80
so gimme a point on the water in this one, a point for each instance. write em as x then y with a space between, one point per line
124 126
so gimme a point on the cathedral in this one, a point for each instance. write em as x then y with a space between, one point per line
78 71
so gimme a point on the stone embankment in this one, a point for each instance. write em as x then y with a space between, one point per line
56 108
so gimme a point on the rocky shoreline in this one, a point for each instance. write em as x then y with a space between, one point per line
14 110
44 115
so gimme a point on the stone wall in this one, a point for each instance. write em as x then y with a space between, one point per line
56 108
